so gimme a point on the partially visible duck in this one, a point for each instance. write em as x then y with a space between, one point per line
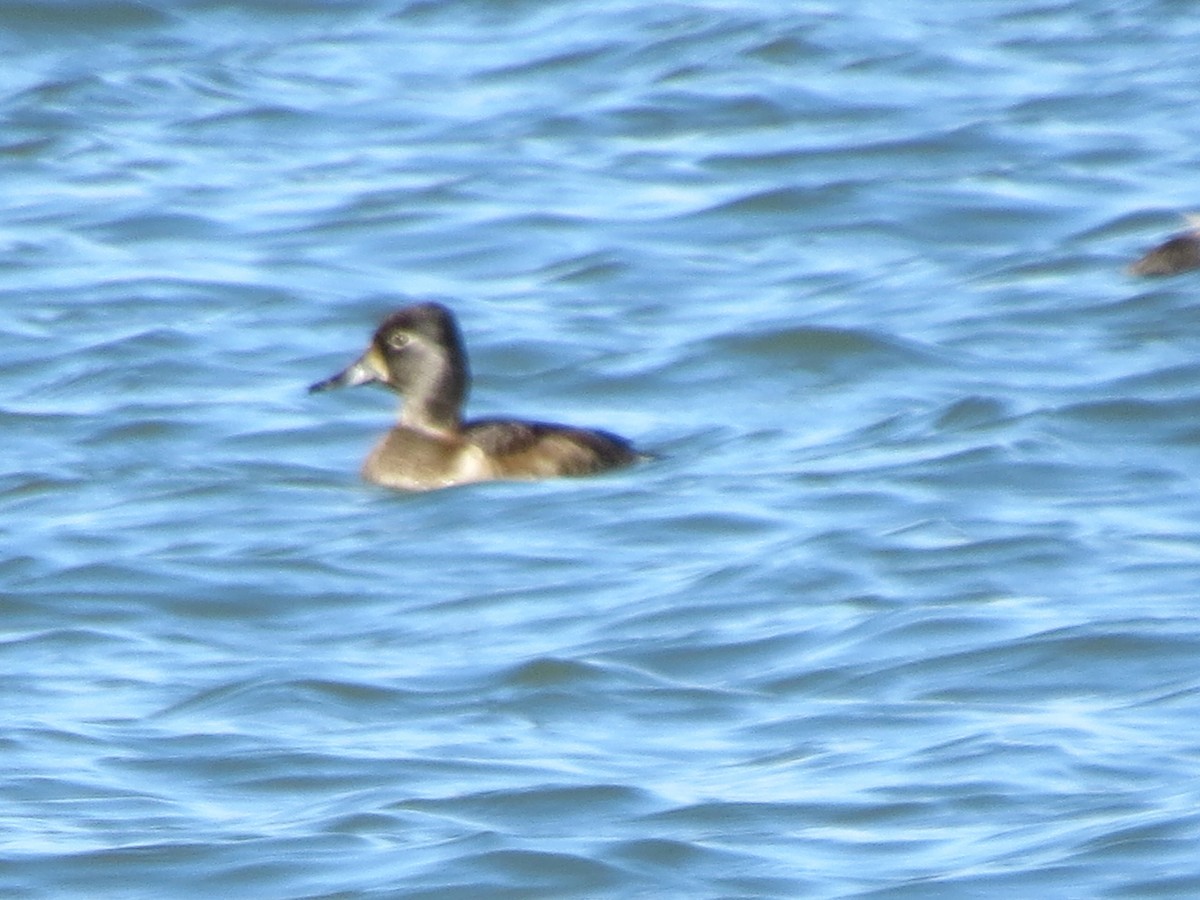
1180 253
418 352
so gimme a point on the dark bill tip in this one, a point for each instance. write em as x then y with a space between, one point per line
359 373
325 385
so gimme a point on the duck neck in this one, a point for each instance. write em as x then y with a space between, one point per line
435 404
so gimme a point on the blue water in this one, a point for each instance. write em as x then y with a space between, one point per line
906 605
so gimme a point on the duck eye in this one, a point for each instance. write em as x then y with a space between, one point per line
398 340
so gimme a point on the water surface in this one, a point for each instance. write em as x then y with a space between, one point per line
903 608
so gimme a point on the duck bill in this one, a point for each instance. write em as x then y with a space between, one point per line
366 370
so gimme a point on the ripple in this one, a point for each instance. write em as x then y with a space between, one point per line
903 607
91 16
157 227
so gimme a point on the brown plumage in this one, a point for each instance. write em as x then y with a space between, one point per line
1180 253
418 352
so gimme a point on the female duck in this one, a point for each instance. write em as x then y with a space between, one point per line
418 353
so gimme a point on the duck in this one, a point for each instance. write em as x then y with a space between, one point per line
1180 253
418 352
